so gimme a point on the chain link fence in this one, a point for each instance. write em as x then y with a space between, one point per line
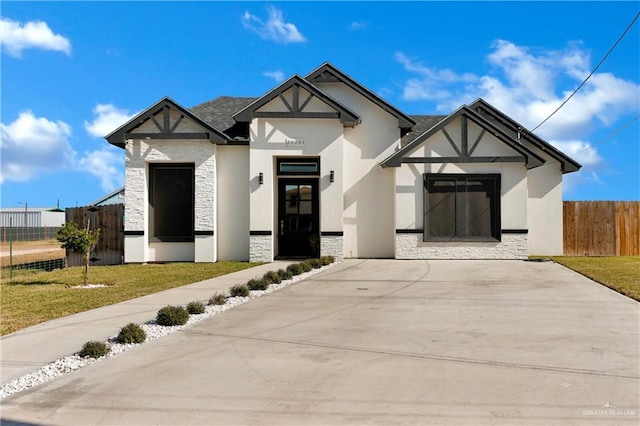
29 248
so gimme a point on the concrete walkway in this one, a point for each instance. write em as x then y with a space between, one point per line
31 348
376 342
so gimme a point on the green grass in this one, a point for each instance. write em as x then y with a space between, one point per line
35 298
621 274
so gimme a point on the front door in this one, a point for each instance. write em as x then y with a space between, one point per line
298 217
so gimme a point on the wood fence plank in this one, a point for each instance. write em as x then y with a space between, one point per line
601 228
109 218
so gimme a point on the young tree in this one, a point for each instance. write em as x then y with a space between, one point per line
79 240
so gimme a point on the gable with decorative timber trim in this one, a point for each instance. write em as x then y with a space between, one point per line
297 98
460 138
516 130
327 73
166 120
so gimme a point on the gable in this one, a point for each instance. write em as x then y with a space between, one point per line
297 98
327 73
517 131
464 137
306 101
165 120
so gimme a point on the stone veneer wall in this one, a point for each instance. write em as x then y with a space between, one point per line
200 152
411 246
260 248
332 246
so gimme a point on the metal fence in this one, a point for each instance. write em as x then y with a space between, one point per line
29 248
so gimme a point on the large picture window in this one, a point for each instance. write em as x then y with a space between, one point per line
461 207
171 201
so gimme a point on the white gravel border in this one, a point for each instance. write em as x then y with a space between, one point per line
154 331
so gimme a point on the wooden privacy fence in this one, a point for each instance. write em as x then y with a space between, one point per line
601 228
110 220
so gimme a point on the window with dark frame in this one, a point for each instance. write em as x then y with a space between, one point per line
171 201
460 207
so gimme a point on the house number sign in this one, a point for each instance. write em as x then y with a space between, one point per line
294 142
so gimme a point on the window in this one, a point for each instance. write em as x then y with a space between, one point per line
461 207
298 166
171 201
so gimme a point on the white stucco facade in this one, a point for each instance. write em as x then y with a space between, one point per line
322 166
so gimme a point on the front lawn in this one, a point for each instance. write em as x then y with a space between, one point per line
31 299
621 274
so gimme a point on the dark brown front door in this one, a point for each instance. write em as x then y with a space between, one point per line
298 217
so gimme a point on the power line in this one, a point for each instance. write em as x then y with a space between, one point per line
609 136
601 140
592 72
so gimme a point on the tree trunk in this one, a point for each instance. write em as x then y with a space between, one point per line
86 270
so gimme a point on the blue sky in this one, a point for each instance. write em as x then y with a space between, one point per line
73 71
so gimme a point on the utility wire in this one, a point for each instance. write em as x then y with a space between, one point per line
609 136
592 72
601 140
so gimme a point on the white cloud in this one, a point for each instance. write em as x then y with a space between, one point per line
277 75
107 119
526 85
16 37
106 165
357 25
431 83
32 145
275 29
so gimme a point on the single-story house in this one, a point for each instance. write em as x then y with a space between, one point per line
114 197
321 165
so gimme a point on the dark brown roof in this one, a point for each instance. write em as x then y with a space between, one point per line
219 111
423 123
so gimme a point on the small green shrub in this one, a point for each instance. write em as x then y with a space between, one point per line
294 269
284 274
316 263
131 333
257 284
195 307
218 299
306 266
172 315
240 290
272 277
327 260
94 349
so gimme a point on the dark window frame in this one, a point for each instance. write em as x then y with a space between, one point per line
495 206
189 215
298 161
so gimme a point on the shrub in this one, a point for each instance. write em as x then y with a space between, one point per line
306 266
195 307
294 269
272 277
131 333
316 263
94 349
172 315
240 290
257 284
218 299
284 274
327 260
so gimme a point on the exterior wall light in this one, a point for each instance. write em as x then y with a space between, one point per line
260 178
332 176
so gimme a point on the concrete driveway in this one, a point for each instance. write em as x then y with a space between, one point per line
378 342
